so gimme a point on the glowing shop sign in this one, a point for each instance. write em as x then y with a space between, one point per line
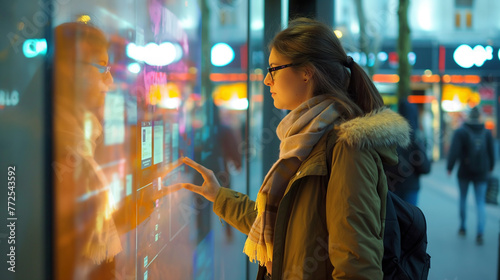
34 47
466 57
9 99
153 54
222 54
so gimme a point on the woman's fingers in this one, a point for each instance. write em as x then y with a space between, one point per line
209 188
169 168
176 187
193 188
165 190
206 173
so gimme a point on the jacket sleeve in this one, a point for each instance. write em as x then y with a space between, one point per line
236 209
355 215
453 155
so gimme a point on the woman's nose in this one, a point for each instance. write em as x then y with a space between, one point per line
268 80
108 79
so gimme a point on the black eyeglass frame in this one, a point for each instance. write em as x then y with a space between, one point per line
276 68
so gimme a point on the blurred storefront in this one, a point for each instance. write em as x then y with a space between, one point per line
453 43
461 76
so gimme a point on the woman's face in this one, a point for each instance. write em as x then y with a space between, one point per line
289 86
91 83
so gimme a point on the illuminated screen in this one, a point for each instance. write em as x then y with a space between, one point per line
126 109
99 102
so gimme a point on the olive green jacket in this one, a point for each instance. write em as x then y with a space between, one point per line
330 223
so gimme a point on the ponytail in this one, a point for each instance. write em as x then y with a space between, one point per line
362 90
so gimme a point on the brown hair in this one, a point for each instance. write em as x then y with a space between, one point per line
67 36
312 44
73 43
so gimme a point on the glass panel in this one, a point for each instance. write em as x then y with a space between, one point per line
226 31
119 135
255 141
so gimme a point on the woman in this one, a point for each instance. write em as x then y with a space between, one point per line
315 218
86 234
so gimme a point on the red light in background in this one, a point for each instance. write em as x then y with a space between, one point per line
393 59
487 109
244 57
489 125
421 99
385 78
487 93
442 57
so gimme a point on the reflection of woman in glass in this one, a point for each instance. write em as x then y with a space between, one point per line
85 230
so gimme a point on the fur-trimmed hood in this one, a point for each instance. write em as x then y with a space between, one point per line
380 128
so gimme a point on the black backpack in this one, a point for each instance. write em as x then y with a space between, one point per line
405 241
476 155
405 235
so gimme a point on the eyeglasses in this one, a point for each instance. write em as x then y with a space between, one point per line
272 69
102 69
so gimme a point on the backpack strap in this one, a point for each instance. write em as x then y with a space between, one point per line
331 140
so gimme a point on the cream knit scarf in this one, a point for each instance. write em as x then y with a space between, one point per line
76 132
299 131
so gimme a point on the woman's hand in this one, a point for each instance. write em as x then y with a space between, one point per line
210 186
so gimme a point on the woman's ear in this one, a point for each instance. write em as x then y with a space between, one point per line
307 74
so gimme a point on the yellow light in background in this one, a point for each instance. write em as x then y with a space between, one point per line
83 18
192 70
173 90
474 99
165 96
428 72
155 94
338 33
389 99
455 98
231 96
463 93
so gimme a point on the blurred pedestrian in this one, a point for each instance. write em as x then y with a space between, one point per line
404 178
472 145
316 219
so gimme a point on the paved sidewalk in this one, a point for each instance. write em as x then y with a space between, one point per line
454 257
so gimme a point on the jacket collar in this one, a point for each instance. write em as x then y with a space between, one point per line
380 128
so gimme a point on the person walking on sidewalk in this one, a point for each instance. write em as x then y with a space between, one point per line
472 145
404 178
